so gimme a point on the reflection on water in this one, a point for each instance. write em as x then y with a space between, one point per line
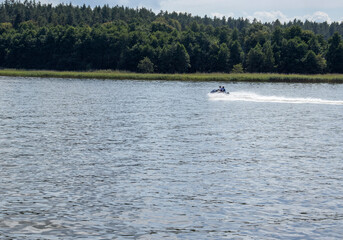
95 159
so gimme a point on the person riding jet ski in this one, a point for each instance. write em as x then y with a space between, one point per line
221 89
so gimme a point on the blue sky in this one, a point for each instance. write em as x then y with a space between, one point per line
263 10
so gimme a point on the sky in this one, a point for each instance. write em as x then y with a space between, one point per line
262 10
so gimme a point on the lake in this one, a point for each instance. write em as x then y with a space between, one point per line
105 159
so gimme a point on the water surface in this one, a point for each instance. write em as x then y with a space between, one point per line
94 159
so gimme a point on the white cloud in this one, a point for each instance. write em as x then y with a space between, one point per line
268 16
248 5
273 15
263 10
221 15
319 17
218 15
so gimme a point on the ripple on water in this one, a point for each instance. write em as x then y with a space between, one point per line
85 159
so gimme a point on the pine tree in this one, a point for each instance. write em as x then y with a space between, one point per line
313 63
255 59
269 60
181 58
236 54
223 58
335 54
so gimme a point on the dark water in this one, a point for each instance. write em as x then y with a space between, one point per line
94 159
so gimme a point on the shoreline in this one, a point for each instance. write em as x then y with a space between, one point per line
218 77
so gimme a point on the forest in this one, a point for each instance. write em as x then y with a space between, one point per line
67 37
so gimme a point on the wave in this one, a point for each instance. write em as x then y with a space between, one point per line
253 97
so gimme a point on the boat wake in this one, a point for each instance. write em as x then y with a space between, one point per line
253 97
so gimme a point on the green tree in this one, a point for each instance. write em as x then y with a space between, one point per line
255 59
236 54
80 37
235 35
313 63
256 34
292 53
293 31
18 19
174 58
238 68
269 60
314 45
181 58
164 63
194 26
276 41
223 58
3 15
145 66
335 54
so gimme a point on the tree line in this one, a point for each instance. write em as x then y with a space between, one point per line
66 37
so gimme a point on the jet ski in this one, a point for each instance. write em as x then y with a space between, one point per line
217 91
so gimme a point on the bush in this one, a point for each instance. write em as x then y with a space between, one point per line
145 66
238 68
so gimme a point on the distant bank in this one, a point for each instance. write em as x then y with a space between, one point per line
220 77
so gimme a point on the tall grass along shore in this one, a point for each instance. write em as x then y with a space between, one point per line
224 77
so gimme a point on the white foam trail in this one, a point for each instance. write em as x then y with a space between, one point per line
253 97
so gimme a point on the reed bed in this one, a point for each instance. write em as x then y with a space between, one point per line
218 77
